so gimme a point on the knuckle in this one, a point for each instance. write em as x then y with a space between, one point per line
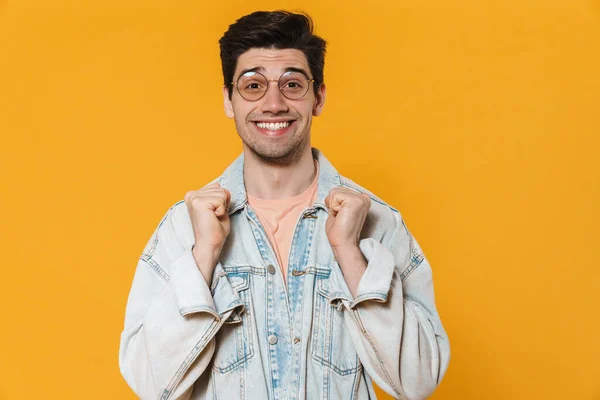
188 196
196 200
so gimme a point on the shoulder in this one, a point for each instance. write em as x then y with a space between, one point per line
348 183
171 237
383 218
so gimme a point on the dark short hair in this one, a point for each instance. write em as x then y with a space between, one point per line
272 29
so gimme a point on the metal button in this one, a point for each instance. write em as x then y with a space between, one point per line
296 340
271 269
272 339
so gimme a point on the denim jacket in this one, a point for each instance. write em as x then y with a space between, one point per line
248 336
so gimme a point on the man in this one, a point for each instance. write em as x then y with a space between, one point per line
281 279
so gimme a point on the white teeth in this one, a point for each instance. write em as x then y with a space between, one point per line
273 126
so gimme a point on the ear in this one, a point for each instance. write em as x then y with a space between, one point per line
227 103
318 107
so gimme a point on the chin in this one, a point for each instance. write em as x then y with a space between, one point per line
277 154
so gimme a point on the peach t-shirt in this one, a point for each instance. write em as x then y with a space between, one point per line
279 218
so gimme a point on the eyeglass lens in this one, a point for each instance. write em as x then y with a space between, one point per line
253 85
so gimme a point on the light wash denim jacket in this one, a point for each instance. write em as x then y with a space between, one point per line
248 337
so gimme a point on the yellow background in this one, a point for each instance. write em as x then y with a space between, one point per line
478 120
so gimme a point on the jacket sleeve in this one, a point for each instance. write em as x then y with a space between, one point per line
393 321
172 315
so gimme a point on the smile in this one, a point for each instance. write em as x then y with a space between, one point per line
273 126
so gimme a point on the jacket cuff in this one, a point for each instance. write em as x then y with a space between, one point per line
377 278
193 293
375 282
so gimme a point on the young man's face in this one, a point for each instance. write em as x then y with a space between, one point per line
273 127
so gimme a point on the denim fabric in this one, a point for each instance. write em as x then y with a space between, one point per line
248 337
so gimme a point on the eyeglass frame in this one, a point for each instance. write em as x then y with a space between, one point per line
273 80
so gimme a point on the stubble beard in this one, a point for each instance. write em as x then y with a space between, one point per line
281 154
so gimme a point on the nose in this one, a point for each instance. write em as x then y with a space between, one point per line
273 101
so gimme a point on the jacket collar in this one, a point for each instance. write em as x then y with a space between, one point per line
232 179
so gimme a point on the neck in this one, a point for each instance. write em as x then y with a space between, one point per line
266 179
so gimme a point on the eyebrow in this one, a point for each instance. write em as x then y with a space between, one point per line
262 70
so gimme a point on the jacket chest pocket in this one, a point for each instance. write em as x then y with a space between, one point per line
234 341
331 344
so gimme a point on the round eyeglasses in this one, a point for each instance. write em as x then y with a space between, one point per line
253 85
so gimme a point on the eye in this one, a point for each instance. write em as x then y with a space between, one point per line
293 85
253 86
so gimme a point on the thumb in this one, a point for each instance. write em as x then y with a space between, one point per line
335 204
221 210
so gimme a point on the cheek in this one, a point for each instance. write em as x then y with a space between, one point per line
305 109
240 111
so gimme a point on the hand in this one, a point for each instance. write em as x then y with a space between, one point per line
347 213
209 213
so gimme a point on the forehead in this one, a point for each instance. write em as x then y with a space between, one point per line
272 60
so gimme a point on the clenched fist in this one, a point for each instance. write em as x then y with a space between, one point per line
347 213
208 209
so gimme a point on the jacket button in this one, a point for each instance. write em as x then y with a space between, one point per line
272 339
271 269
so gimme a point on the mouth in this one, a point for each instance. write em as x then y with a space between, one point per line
274 129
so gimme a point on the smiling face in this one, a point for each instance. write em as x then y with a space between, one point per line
274 128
